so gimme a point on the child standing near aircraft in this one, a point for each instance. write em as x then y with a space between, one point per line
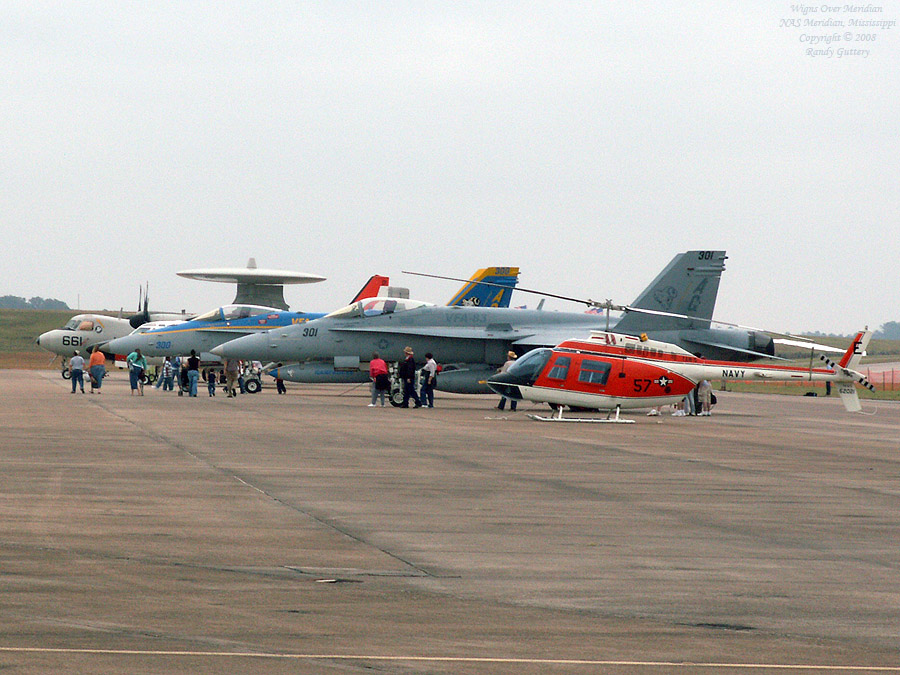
168 372
211 381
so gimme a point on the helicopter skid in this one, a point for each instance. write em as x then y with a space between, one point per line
591 420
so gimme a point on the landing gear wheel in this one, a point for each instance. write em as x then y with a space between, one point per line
66 374
253 385
396 396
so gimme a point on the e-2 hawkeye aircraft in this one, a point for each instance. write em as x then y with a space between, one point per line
84 331
476 340
206 331
611 371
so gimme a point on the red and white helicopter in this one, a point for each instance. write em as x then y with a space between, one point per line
611 371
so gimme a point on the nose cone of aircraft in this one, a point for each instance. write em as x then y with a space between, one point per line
249 347
123 345
507 384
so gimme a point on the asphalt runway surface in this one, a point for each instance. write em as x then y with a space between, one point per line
310 533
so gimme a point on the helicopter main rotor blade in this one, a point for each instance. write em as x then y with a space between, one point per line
589 303
610 305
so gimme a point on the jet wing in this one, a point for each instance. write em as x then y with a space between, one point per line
495 332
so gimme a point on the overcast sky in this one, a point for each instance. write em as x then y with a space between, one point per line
587 143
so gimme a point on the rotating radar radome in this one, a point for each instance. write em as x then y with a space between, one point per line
254 285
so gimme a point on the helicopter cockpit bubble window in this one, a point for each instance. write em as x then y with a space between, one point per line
531 365
376 307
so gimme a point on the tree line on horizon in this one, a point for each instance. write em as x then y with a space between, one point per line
15 302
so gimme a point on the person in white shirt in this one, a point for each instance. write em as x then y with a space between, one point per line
429 379
76 368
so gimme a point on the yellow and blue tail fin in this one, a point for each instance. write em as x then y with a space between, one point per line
488 287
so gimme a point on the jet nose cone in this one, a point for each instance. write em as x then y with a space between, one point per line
251 347
122 346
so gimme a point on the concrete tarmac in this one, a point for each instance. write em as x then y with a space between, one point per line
310 533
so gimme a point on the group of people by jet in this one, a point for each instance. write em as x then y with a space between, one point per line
406 371
186 374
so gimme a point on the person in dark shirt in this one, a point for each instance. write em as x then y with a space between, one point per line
193 368
407 372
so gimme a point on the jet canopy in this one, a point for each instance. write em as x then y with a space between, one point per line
233 313
377 307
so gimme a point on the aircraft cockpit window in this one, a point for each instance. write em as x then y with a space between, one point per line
235 312
72 324
376 307
86 325
594 372
211 315
531 365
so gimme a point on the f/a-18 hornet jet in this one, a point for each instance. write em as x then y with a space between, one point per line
476 340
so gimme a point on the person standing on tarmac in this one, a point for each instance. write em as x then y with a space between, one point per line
510 359
97 369
232 368
76 368
193 372
429 379
407 372
137 366
704 396
378 372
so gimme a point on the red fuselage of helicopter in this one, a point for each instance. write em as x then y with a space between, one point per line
608 372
